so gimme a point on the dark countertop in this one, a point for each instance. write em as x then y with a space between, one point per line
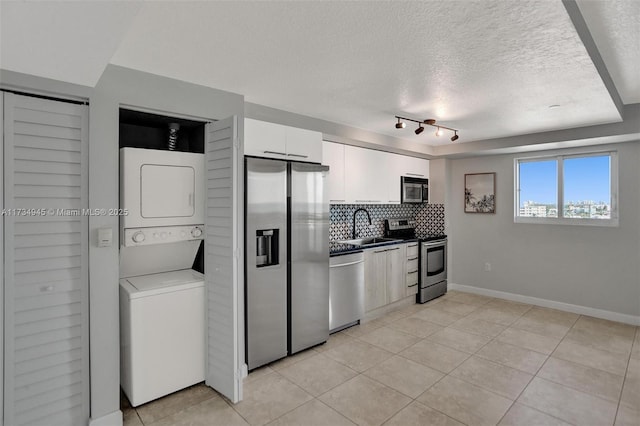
337 248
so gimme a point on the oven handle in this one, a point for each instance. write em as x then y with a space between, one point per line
434 243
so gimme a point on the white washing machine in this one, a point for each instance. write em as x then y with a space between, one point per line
162 333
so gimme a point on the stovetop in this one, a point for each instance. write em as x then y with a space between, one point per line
404 228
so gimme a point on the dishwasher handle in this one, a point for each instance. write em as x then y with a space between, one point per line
339 265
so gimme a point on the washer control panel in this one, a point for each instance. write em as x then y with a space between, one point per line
163 234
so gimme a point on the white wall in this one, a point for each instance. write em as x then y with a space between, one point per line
595 267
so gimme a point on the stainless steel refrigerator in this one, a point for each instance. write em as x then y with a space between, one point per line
286 258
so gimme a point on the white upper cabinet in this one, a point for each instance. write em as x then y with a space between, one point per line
365 176
365 179
416 167
304 145
395 166
333 156
264 139
401 165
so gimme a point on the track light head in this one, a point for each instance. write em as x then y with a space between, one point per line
419 130
400 124
430 121
439 132
454 137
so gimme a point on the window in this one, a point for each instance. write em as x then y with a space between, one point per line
569 189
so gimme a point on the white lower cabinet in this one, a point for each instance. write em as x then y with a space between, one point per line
375 278
384 275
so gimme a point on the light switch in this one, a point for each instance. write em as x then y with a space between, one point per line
105 237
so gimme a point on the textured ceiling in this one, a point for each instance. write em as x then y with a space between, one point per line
68 41
615 28
490 68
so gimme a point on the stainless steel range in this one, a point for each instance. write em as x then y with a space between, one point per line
433 257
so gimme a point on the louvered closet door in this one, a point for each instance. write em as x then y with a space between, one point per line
223 268
46 282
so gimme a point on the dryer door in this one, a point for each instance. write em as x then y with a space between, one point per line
161 188
167 191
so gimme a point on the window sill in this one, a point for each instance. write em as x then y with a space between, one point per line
607 223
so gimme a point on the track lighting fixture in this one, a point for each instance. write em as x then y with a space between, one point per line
429 122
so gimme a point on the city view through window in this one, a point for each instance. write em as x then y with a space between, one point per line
586 188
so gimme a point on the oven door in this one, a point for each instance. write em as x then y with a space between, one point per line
433 263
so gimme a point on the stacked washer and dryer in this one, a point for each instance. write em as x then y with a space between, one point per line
162 299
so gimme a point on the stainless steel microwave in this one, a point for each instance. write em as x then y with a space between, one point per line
414 190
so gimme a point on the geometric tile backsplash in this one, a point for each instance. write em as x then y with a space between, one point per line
429 219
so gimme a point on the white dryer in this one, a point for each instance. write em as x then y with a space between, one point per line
162 333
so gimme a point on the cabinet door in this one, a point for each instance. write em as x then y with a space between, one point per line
304 145
375 271
333 156
263 139
365 183
396 272
394 166
416 167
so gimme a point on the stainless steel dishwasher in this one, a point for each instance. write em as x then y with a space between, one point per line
346 290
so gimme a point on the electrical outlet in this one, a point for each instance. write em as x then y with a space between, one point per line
487 266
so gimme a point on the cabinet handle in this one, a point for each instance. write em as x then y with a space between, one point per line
414 174
275 152
412 285
412 272
380 251
397 248
413 258
413 245
297 155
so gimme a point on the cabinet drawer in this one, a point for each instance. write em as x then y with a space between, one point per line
412 250
412 289
412 264
412 277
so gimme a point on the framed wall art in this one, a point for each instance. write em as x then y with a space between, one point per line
480 193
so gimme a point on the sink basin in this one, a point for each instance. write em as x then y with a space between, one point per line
370 241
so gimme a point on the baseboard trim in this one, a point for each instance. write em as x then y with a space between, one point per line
111 419
576 309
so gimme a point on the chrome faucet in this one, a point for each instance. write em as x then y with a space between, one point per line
354 219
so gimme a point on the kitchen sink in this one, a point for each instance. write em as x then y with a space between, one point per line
370 241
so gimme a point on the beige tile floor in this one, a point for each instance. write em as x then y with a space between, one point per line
460 359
